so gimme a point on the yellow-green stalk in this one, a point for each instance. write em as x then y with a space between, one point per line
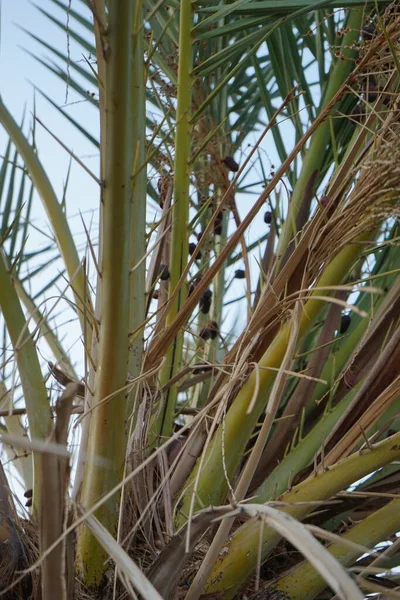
180 213
226 449
138 214
242 552
106 448
302 455
315 155
304 583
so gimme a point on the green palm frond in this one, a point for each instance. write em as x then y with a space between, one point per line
241 355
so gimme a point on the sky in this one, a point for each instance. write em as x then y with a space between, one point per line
20 72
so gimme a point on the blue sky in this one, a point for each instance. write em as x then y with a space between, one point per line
20 72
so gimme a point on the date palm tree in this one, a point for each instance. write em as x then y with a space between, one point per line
237 405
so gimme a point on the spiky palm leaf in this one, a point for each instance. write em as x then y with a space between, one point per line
298 406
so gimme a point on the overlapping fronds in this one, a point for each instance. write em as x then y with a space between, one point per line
238 400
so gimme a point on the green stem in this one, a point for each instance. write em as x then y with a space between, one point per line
226 449
368 303
315 155
106 447
302 455
242 551
180 214
304 583
139 194
217 306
